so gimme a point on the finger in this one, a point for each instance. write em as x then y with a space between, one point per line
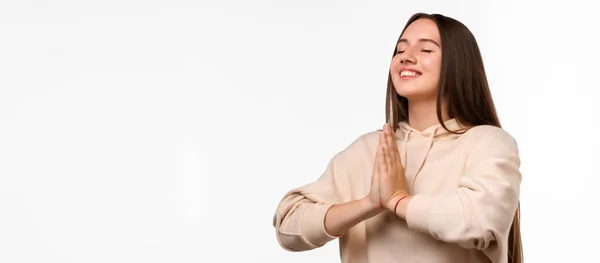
382 144
377 158
381 161
376 172
393 145
388 138
386 155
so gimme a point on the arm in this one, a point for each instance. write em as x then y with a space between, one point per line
312 215
340 218
482 208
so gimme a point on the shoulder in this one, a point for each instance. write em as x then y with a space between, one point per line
491 139
483 133
362 145
369 138
365 141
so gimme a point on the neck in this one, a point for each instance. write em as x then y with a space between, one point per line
422 114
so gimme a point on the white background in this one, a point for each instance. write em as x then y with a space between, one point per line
168 131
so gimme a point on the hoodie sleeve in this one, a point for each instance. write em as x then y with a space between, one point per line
482 208
300 217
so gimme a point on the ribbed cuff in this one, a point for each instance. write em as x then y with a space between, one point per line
418 212
313 227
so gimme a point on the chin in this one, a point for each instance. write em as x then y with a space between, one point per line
416 93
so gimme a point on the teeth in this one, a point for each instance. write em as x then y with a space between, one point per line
409 74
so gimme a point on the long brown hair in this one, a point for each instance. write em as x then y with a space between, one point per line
463 83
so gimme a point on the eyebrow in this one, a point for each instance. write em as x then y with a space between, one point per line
404 40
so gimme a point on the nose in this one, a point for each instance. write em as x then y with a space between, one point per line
406 57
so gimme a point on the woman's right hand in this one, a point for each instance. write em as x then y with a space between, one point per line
341 217
374 196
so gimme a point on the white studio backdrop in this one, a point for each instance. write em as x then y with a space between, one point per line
168 131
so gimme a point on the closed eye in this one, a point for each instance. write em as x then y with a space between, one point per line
424 50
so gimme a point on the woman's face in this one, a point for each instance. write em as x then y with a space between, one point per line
415 69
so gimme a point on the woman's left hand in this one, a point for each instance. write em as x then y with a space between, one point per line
392 178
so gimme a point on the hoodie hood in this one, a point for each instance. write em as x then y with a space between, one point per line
433 132
426 140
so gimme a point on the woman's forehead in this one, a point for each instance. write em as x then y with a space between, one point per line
421 29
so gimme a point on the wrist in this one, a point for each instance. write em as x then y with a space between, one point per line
392 201
370 207
399 204
402 207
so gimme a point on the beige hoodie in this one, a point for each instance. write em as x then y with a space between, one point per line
465 187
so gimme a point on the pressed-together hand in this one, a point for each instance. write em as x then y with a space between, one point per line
388 182
374 196
392 181
387 191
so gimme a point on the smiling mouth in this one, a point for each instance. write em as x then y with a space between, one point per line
407 74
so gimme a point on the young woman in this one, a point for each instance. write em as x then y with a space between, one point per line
439 183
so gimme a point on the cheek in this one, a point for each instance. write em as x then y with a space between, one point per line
432 64
394 64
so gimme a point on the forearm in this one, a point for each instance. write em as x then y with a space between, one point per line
341 217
